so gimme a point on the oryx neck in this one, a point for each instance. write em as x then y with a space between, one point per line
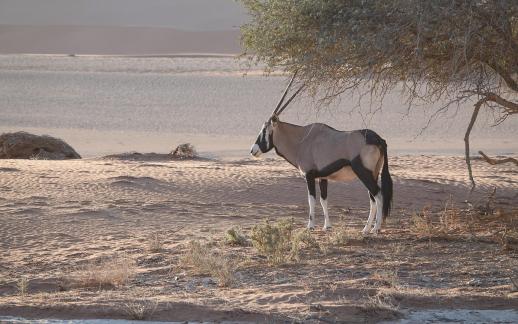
287 140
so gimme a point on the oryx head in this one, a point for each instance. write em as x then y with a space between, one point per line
264 142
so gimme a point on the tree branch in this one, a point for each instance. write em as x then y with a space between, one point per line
494 161
509 106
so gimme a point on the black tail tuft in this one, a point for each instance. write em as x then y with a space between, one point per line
386 183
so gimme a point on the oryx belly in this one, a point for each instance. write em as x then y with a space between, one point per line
344 174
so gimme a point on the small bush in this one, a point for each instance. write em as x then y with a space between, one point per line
108 273
302 239
23 285
381 304
274 240
235 237
339 235
155 243
139 309
185 151
279 242
386 278
206 261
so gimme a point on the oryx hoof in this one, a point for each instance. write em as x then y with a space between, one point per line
326 228
311 226
375 231
366 231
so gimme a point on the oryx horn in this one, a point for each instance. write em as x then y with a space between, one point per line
291 98
285 93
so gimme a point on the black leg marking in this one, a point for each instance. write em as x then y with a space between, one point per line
310 180
365 176
372 197
323 189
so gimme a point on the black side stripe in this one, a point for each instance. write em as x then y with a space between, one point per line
332 168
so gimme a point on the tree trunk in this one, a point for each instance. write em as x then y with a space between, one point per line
466 139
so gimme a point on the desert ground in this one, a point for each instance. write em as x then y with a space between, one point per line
138 237
222 237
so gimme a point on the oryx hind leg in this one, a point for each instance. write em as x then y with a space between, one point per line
310 181
372 214
323 202
367 178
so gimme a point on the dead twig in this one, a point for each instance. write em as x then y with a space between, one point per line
499 161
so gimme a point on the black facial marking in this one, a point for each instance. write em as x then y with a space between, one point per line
365 176
323 189
263 144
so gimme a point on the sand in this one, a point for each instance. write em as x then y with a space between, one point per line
58 218
60 215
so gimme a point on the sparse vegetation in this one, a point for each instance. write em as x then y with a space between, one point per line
279 242
339 236
155 243
448 221
274 240
139 309
482 221
108 273
203 260
386 278
234 236
381 303
23 285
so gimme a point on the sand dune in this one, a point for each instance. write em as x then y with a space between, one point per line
115 40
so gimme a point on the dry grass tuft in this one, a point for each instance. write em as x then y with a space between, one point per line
481 222
339 236
155 243
302 239
139 309
279 242
381 303
204 260
234 237
108 273
449 221
23 286
386 278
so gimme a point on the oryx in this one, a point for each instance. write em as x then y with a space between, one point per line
324 153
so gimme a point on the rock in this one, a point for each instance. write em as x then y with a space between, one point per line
184 151
22 145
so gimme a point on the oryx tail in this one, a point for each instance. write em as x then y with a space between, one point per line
386 182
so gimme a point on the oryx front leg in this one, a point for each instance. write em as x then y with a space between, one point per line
372 214
323 202
310 180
